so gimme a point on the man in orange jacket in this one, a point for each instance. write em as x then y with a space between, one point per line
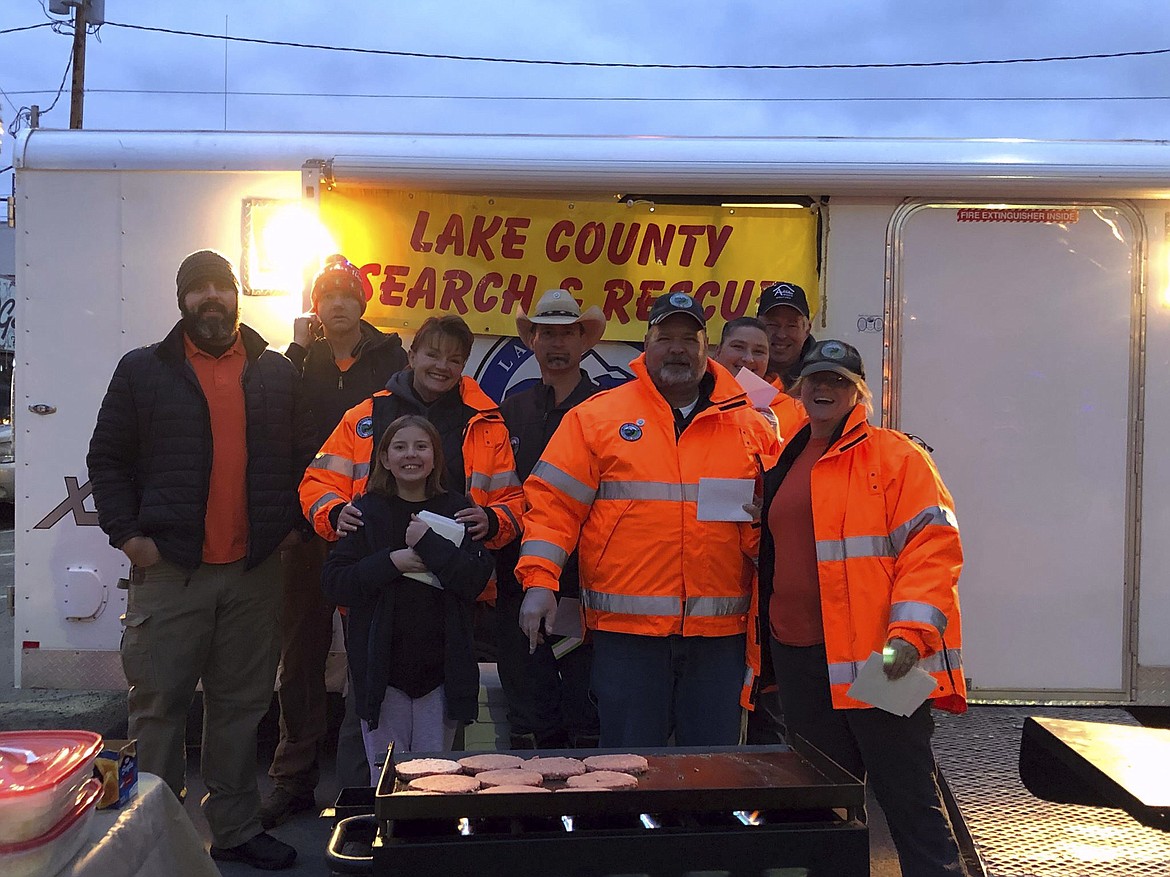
666 593
475 440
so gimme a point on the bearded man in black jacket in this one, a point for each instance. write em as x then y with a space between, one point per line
547 690
199 445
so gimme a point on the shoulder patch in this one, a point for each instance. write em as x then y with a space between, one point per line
365 427
631 432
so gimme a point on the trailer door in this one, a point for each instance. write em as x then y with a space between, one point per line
1014 357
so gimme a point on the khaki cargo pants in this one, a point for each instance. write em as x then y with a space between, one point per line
220 625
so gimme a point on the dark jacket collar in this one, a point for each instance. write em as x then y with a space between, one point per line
172 351
584 389
372 338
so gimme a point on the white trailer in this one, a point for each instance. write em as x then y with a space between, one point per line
1011 300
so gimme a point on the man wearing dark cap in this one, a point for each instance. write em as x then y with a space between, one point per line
665 585
194 461
342 361
784 311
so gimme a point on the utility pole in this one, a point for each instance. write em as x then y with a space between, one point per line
85 13
77 99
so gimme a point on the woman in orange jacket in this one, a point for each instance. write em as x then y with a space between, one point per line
860 553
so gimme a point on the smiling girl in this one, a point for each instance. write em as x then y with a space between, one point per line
410 645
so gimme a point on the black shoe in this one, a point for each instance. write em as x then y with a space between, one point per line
282 805
263 851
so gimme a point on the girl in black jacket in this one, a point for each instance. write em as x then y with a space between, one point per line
410 645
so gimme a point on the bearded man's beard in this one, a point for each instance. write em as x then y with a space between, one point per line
212 323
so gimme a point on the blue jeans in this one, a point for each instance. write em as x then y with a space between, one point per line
648 687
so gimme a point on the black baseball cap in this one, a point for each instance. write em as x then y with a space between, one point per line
833 356
676 303
788 294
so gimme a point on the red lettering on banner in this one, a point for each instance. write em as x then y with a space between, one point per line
452 236
590 243
572 284
729 309
484 304
706 288
716 242
456 285
512 243
618 294
645 302
517 293
658 241
619 254
553 249
651 287
690 232
390 292
481 236
370 268
424 288
420 227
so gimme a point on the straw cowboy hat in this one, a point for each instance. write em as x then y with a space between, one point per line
558 308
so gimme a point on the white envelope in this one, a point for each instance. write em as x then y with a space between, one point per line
898 696
759 391
449 529
722 499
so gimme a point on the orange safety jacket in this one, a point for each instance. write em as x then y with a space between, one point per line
618 485
341 468
888 556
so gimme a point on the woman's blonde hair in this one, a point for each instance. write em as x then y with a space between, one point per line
381 481
866 397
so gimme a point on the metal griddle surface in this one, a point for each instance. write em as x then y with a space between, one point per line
678 779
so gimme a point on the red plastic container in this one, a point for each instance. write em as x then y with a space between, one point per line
41 773
46 855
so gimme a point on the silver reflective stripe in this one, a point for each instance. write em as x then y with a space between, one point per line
630 604
324 501
564 482
939 515
663 491
511 517
334 463
544 550
360 471
854 546
924 613
712 607
844 672
748 677
491 483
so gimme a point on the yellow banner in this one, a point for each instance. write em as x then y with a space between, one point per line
423 254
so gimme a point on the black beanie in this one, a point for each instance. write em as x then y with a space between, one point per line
204 265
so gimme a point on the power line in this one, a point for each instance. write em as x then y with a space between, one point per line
615 98
27 27
630 65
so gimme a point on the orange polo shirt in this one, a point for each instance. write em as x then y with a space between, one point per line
225 534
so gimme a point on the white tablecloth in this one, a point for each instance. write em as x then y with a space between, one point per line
150 836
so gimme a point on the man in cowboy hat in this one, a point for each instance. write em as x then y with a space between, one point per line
548 690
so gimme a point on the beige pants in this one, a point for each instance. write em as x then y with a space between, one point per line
220 625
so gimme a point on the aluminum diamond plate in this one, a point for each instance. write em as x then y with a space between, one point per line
1019 835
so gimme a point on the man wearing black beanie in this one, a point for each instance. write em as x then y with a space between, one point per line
195 459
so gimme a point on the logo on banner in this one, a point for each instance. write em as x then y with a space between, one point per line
509 367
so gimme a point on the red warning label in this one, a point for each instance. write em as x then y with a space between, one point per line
1018 214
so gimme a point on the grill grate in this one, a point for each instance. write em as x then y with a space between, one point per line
1019 835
